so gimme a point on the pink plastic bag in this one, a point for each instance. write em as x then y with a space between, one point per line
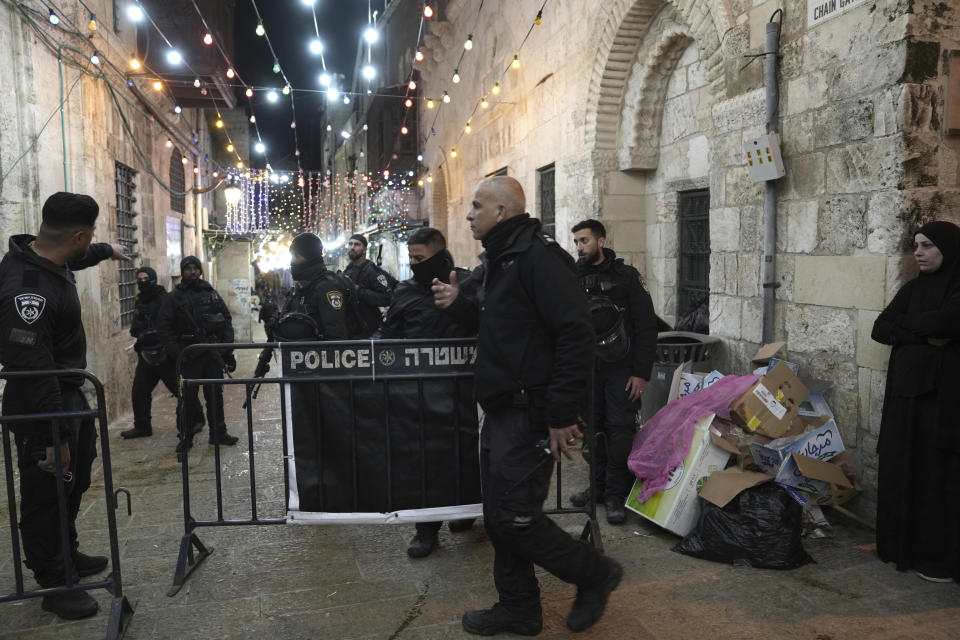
663 442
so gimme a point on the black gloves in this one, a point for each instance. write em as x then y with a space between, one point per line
230 361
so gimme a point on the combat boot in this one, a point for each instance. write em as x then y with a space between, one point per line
70 605
590 603
88 565
138 431
488 622
422 544
220 435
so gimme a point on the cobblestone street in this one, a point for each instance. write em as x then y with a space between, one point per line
357 581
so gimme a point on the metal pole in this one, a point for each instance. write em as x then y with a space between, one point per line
770 194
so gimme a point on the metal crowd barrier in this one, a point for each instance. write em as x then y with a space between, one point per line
193 552
121 610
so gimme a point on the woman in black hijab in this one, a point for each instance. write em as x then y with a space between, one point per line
918 502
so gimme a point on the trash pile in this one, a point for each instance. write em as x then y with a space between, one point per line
741 465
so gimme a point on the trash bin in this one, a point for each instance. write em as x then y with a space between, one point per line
673 349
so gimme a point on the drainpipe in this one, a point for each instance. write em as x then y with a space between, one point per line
771 55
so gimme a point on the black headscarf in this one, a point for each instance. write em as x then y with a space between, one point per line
930 289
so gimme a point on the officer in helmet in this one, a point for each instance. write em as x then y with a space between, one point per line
626 328
154 364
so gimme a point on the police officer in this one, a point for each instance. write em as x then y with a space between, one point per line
373 286
535 334
413 314
41 329
195 313
154 364
626 327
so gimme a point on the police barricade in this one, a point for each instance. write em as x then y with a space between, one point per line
121 610
373 431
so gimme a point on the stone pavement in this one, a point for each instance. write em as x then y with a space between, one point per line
357 582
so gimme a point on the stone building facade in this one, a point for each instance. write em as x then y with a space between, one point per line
631 108
100 152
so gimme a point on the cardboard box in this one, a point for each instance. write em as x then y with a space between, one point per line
801 461
791 365
767 351
770 405
676 507
689 382
723 486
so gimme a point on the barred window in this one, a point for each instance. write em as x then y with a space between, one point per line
125 179
547 202
178 199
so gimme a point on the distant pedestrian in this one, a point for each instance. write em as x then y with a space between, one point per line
373 286
918 517
535 333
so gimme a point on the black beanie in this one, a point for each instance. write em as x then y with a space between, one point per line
359 237
151 274
65 210
194 260
307 245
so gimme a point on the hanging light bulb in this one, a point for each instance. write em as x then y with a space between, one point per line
92 25
456 76
135 12
468 45
196 170
260 30
54 18
408 103
419 183
333 93
316 47
300 182
325 79
219 123
260 147
484 103
446 98
368 72
249 92
427 11
430 178
183 159
157 85
272 96
276 67
345 134
453 152
207 39
496 89
539 18
516 61
231 73
286 89
230 148
430 104
346 99
169 143
412 85
419 158
404 130
467 128
293 125
216 174
418 56
364 127
174 57
134 64
95 59
253 119
196 82
203 91
371 35
177 109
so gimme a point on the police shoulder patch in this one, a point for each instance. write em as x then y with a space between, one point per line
382 279
30 306
643 283
335 298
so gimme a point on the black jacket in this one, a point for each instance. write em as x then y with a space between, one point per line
535 332
193 313
413 314
146 314
40 321
325 296
374 289
624 286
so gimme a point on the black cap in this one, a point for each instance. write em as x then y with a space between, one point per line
307 245
65 210
359 237
151 274
194 260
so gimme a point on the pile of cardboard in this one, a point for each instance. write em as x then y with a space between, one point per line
779 431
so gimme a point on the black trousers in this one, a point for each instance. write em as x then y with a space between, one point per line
145 380
614 416
516 479
39 509
203 366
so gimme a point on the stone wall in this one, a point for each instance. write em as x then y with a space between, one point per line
636 101
32 158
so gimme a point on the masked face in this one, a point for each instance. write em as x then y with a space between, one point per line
428 263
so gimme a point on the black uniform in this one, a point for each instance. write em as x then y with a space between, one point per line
413 314
614 414
374 289
163 368
41 328
195 313
535 342
323 296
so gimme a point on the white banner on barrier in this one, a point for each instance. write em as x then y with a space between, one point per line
433 514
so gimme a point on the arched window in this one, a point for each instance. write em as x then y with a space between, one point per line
178 200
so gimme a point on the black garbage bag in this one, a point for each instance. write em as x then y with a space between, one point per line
761 527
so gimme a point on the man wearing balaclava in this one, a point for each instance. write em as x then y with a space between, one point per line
414 315
154 364
373 286
195 313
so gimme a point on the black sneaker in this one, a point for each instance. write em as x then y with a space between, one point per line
488 622
616 512
221 436
422 544
88 565
581 499
459 526
137 432
590 603
70 605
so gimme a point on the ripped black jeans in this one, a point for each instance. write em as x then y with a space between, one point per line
513 514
